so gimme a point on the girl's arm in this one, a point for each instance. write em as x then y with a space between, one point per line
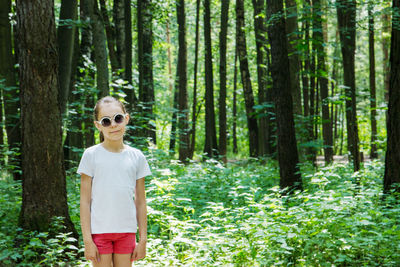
141 215
91 252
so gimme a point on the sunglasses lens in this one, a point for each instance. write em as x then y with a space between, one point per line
119 118
106 122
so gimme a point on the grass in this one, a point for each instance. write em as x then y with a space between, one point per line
207 214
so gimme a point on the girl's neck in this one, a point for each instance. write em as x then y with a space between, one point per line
113 146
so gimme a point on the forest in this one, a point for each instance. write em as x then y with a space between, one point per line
270 127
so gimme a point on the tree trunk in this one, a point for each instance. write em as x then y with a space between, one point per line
323 81
234 108
131 97
346 11
11 95
71 157
222 79
245 74
88 96
110 33
184 149
385 48
287 147
306 69
373 154
294 61
119 24
261 47
194 106
128 42
44 187
175 107
210 146
75 133
392 166
100 49
65 38
145 57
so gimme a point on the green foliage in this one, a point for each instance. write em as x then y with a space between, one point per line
210 214
19 247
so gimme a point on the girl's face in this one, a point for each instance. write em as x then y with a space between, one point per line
115 131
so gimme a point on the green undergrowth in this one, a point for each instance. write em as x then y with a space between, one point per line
208 214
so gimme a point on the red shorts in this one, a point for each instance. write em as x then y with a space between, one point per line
120 243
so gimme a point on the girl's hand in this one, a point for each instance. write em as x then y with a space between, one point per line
139 252
91 252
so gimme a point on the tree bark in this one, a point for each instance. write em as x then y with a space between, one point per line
234 108
88 95
372 85
392 166
386 28
245 74
222 79
323 81
261 48
210 146
65 38
346 11
100 49
44 187
175 107
287 148
110 33
119 24
11 95
145 58
184 149
306 68
128 42
294 61
196 60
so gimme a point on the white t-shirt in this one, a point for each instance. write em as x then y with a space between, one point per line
114 178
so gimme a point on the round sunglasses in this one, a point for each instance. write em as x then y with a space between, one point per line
106 121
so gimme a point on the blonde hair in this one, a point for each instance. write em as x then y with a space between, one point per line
106 100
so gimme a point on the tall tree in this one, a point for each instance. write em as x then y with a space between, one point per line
145 61
10 95
128 46
210 146
245 74
392 166
346 13
261 43
323 81
196 60
44 187
222 78
234 108
174 121
385 49
294 61
100 49
181 80
66 41
287 147
372 86
110 33
119 25
86 54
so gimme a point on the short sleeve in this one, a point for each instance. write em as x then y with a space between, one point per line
86 164
143 168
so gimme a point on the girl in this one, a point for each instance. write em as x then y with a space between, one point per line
111 173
